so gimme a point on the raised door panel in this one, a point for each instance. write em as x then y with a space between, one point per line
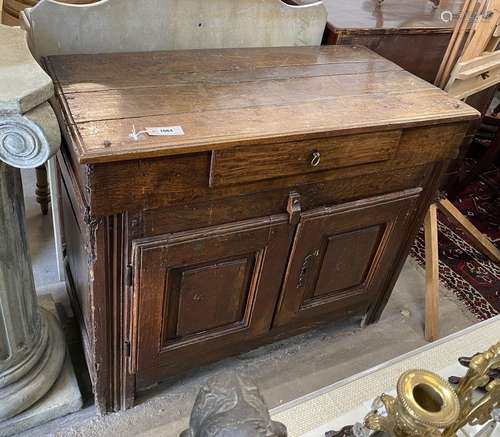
211 296
346 259
203 293
340 256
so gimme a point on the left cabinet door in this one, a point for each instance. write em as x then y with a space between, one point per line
200 295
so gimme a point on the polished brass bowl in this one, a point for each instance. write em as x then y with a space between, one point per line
426 400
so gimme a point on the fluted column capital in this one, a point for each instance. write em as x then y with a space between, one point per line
29 132
29 140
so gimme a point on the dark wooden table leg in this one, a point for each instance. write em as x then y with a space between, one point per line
42 189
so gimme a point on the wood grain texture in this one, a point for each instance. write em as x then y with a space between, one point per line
410 33
394 15
192 215
478 49
241 164
238 93
212 296
485 28
317 282
233 112
419 53
260 241
431 275
147 184
80 73
152 248
456 43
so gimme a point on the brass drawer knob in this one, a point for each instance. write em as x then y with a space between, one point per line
316 159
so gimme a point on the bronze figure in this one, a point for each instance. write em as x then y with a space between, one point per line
231 405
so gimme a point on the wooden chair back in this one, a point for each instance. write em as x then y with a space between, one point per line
148 25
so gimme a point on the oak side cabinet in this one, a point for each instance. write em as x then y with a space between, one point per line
213 201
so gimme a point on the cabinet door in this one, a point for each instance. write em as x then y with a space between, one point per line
202 294
340 257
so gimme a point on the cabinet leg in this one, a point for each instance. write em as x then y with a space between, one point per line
42 189
431 275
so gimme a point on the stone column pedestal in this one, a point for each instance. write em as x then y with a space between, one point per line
32 348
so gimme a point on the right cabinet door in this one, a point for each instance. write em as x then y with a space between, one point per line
341 256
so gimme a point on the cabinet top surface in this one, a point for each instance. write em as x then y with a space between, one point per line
359 15
223 98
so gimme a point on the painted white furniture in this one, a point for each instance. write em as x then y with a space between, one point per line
32 348
147 25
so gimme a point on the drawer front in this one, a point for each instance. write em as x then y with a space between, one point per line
201 294
180 180
268 161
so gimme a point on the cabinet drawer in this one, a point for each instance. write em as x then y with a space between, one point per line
267 161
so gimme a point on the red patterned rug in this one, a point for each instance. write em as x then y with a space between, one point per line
470 275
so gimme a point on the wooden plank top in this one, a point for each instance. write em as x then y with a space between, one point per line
228 97
394 15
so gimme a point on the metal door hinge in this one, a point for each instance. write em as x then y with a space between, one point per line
130 276
127 348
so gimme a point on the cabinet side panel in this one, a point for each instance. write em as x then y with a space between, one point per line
76 244
93 258
428 196
76 257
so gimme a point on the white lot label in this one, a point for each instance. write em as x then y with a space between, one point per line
167 131
164 131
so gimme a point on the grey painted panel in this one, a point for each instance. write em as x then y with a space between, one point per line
129 25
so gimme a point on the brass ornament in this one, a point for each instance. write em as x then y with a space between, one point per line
473 411
426 405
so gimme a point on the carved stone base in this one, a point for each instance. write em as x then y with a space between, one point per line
27 383
32 346
62 399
